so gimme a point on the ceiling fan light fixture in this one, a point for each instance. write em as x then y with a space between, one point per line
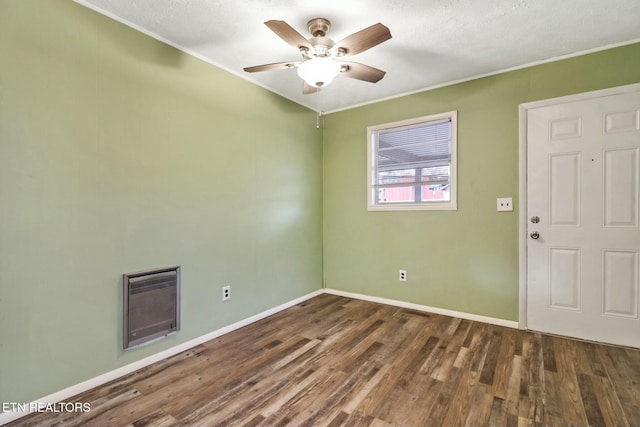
318 72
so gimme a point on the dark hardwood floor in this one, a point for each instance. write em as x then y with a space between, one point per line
334 361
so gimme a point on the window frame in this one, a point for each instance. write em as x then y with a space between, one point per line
450 205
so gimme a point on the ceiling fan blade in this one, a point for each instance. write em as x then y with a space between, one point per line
308 89
288 34
274 66
362 72
362 40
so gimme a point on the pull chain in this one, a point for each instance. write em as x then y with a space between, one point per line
319 113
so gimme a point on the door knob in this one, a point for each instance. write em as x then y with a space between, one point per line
535 235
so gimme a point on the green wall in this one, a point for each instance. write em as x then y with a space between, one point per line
120 154
464 260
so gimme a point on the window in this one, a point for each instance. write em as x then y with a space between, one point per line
412 164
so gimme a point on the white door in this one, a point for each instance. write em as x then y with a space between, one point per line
583 246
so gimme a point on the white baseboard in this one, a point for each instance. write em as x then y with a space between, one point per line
426 308
62 395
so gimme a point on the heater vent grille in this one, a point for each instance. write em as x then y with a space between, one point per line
151 305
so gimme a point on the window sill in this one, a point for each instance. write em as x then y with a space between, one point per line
432 206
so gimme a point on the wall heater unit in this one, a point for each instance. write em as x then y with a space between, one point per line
151 305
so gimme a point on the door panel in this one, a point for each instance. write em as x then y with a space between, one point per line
620 283
621 187
564 189
583 183
622 122
565 279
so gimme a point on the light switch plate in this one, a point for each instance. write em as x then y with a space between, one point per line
505 204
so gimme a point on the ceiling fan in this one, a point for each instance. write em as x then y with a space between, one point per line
318 66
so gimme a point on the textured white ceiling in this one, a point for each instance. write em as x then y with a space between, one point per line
435 42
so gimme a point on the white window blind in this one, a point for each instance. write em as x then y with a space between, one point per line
412 164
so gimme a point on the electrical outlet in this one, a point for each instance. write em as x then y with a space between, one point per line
402 275
226 293
505 204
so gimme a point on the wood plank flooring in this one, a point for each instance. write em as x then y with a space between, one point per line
334 361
